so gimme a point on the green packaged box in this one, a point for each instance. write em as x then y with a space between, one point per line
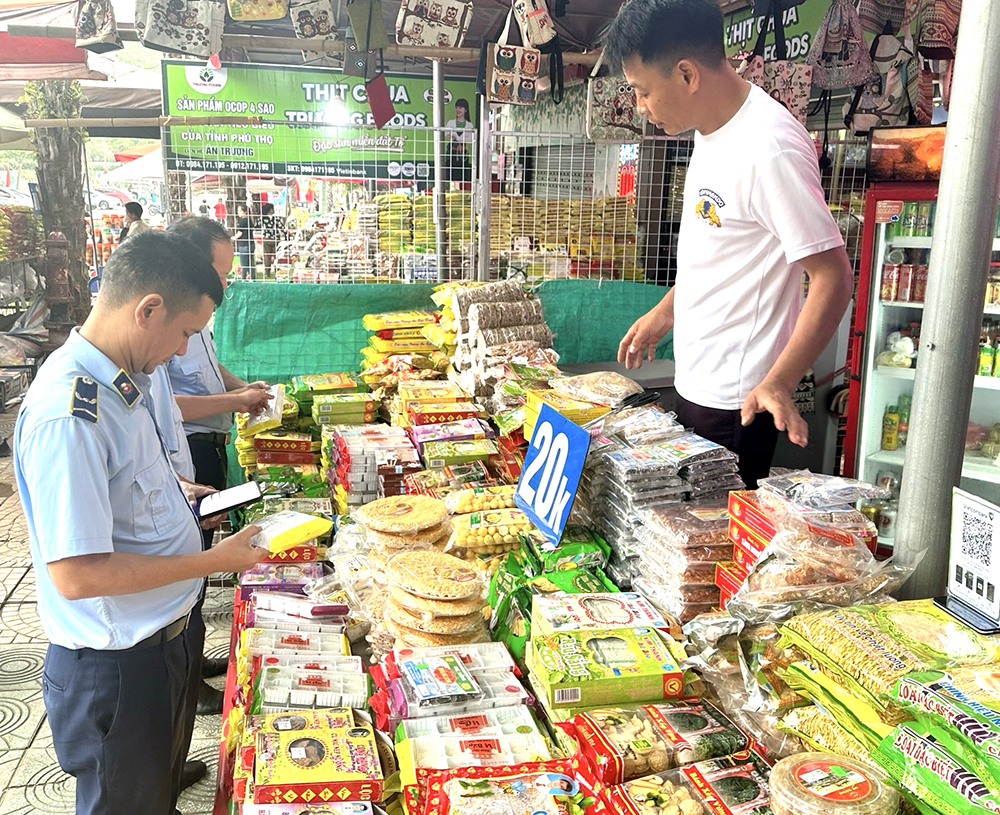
580 668
448 453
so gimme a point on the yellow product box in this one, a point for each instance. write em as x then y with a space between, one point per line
430 391
572 409
419 345
397 319
317 765
287 529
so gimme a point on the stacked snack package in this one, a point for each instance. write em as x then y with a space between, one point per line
438 482
486 524
709 469
681 547
362 462
395 333
395 223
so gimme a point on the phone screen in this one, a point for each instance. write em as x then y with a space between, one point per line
230 499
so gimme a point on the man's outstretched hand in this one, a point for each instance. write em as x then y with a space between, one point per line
777 401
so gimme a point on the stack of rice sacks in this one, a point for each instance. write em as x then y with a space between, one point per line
429 598
395 222
424 230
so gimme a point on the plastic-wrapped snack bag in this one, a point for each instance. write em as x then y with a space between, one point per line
601 388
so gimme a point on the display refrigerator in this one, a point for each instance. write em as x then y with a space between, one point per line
899 231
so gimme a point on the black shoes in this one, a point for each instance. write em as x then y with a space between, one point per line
209 700
213 666
192 773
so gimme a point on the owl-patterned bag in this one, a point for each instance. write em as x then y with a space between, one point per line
438 23
612 114
511 70
314 21
257 10
95 27
192 27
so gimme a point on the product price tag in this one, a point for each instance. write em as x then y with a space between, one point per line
551 473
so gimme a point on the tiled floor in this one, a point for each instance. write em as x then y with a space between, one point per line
30 778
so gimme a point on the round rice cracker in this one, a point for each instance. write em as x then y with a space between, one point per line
432 625
427 607
406 515
434 575
435 536
418 639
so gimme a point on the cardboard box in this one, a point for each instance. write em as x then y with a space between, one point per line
277 441
269 457
752 543
728 577
559 613
747 511
441 412
743 555
604 668
297 554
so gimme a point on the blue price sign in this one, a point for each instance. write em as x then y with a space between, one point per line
551 473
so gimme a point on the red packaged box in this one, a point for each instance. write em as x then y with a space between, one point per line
270 457
282 442
728 577
744 555
441 412
747 511
751 541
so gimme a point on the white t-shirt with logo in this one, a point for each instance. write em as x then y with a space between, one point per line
753 208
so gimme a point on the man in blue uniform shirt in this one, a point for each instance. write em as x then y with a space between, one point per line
116 548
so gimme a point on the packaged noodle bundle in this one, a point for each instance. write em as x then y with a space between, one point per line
821 732
868 648
601 388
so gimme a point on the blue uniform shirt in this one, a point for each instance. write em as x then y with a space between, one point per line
197 374
170 423
94 478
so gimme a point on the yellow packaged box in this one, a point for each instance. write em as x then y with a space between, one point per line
397 319
317 766
421 392
268 419
284 530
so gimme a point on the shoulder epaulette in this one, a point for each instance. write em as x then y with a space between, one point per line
83 405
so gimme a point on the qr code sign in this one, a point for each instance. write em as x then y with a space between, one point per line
977 536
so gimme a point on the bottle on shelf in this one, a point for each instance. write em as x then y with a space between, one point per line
903 418
922 227
890 428
987 354
908 222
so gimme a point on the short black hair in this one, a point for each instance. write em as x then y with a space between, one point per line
666 31
267 209
134 208
201 231
157 262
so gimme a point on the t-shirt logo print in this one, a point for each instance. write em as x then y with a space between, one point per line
709 204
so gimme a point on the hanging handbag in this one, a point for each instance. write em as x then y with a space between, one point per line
839 54
368 25
192 27
784 80
538 31
884 102
612 113
510 72
257 10
315 21
438 23
95 27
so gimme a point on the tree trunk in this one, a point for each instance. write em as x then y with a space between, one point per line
59 152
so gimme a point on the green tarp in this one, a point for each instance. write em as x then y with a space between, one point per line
274 331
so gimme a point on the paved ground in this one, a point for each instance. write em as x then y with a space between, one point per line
30 778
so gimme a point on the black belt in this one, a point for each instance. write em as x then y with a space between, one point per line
163 636
218 439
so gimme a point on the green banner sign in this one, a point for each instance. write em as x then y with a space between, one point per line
317 122
800 22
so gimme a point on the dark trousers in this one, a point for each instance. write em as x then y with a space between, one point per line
117 724
753 444
246 261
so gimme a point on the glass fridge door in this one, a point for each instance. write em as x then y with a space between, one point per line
899 285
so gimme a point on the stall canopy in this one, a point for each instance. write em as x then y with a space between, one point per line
135 152
27 58
144 168
13 134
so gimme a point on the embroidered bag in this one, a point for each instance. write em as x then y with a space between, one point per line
95 27
839 53
254 10
511 71
538 31
313 20
612 114
367 23
884 102
192 27
782 79
438 23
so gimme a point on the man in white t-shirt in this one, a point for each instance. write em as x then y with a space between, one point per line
754 219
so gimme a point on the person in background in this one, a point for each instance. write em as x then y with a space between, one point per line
461 135
244 241
754 220
116 548
204 209
133 221
220 211
207 395
272 229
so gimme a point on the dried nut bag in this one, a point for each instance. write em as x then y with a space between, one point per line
601 387
477 499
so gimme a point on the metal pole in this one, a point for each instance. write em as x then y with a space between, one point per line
485 188
440 214
966 211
